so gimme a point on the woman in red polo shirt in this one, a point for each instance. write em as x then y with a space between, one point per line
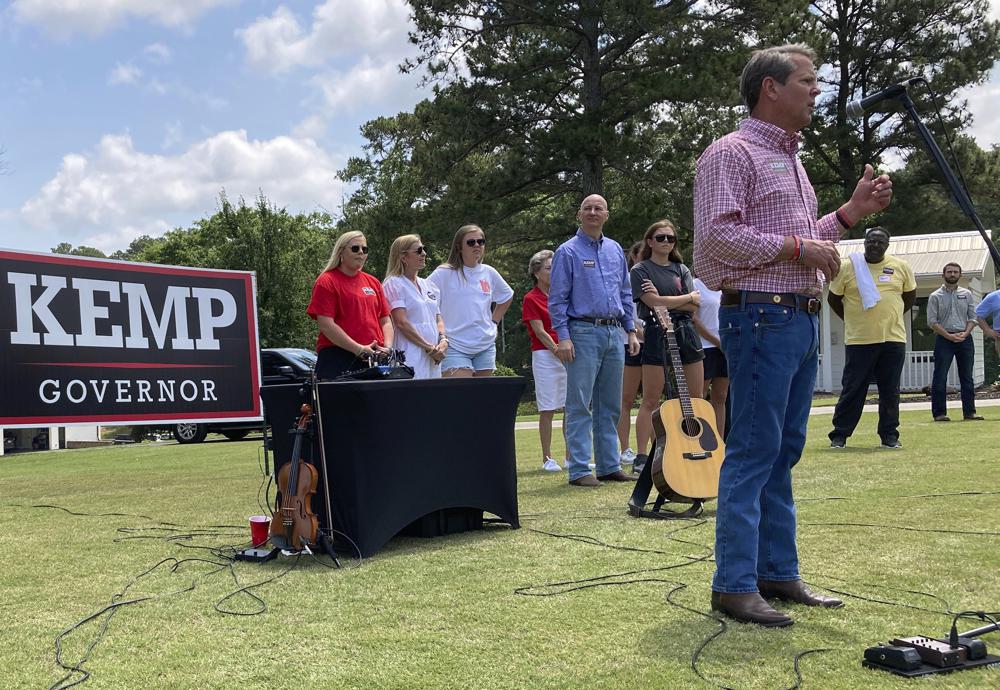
350 310
549 373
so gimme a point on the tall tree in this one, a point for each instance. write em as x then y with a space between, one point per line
538 104
82 250
925 205
876 43
285 251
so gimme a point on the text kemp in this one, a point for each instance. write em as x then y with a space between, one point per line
174 309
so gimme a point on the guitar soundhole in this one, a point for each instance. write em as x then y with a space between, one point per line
691 427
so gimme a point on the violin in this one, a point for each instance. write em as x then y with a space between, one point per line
297 479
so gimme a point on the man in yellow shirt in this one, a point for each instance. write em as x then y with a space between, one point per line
872 303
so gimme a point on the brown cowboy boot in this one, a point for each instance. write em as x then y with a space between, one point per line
749 607
796 591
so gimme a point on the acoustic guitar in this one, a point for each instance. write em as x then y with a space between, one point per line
689 449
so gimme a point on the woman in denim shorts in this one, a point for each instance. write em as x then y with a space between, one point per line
474 298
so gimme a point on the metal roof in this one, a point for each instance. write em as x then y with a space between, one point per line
927 254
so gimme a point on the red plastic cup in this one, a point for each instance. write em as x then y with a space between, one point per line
259 526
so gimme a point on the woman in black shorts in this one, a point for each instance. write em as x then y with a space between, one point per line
662 280
631 378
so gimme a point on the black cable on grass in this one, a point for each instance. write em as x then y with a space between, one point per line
610 580
177 535
723 626
904 528
111 609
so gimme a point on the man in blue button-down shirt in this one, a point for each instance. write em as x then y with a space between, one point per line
590 301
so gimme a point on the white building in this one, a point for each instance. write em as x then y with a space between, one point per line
926 255
49 438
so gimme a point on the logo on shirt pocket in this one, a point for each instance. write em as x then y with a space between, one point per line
484 285
589 263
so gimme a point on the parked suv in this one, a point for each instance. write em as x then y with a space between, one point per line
278 365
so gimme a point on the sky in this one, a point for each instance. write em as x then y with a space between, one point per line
123 118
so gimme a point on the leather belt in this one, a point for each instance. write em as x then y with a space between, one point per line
597 320
807 304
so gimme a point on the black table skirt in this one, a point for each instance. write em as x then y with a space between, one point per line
398 451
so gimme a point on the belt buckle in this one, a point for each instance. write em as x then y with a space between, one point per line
813 306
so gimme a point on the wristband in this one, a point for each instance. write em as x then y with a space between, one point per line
802 252
796 247
843 219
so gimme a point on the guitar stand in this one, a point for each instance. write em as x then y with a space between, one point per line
640 496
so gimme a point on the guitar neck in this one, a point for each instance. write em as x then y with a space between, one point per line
674 352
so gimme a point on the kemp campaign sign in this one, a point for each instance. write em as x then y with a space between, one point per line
94 341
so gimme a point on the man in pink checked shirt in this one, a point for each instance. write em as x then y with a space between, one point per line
757 238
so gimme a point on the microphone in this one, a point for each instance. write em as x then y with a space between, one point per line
857 108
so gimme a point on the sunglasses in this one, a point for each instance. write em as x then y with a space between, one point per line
419 250
472 243
665 238
359 248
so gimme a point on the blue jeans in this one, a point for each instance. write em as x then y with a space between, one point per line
964 353
772 356
593 398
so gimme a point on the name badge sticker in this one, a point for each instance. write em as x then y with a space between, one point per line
884 279
963 296
888 270
368 291
778 167
589 263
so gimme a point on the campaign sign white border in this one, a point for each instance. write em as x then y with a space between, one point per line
100 341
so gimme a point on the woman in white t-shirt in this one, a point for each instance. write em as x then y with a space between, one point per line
474 298
706 322
414 305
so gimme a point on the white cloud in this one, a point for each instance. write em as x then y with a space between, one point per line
339 27
176 89
157 53
173 135
124 74
984 102
118 193
312 127
66 17
366 83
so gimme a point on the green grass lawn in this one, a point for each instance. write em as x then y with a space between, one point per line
444 613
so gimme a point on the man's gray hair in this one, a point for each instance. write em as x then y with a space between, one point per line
775 62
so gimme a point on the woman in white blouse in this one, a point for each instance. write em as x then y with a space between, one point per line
474 298
414 304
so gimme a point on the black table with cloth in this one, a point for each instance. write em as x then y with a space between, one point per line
407 454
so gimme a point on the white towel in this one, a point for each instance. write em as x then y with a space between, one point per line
866 286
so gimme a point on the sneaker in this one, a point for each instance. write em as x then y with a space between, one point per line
628 456
551 465
838 442
892 443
